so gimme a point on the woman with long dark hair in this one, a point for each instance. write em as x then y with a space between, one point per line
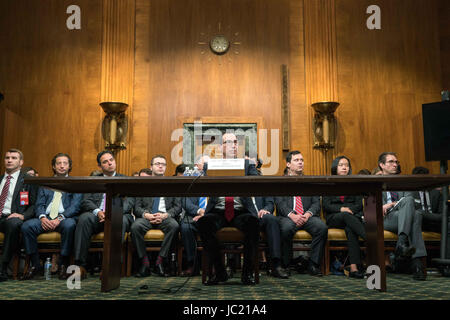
345 212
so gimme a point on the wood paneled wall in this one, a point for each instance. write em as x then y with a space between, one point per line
51 79
179 79
384 77
152 55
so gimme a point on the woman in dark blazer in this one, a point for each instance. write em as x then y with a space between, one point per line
345 212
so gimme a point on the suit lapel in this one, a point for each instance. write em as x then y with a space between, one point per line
17 189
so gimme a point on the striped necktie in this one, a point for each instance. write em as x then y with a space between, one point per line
202 202
4 193
298 205
394 196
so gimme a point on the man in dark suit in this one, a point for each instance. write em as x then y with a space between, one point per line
429 204
16 206
230 211
155 213
264 207
55 211
194 210
93 206
297 213
401 217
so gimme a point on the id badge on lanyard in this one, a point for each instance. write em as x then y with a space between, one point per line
24 198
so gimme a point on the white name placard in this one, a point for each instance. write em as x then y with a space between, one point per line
226 164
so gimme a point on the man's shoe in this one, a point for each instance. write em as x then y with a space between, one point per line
160 270
445 271
189 272
32 273
314 271
62 274
3 275
215 279
279 272
247 279
404 251
418 272
144 271
356 274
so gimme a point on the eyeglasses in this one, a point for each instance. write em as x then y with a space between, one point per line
393 161
160 164
230 142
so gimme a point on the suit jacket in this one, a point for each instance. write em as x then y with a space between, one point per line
71 202
266 203
285 205
26 210
333 204
435 198
401 194
92 201
145 204
250 170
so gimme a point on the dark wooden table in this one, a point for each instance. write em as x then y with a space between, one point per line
371 186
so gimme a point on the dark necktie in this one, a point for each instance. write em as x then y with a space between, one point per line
394 196
155 207
229 208
342 198
4 193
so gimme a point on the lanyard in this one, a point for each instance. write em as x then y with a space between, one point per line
427 198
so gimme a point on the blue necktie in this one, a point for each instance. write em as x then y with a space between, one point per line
202 202
155 205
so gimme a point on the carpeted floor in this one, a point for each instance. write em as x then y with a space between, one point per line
297 287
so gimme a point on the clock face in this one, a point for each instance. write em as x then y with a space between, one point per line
219 44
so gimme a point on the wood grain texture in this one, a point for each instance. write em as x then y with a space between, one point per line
444 37
384 77
53 78
118 64
178 76
50 77
320 69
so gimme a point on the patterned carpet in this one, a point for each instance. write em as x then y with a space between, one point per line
298 287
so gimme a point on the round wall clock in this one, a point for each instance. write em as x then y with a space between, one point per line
219 44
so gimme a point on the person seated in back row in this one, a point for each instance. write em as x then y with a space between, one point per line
55 211
155 213
401 218
345 212
429 204
297 213
93 212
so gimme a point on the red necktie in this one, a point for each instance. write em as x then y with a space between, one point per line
298 205
4 193
342 198
229 208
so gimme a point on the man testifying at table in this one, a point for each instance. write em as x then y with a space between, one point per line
401 217
301 212
16 205
230 211
55 211
93 207
156 213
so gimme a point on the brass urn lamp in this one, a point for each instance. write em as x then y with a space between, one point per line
114 125
324 125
